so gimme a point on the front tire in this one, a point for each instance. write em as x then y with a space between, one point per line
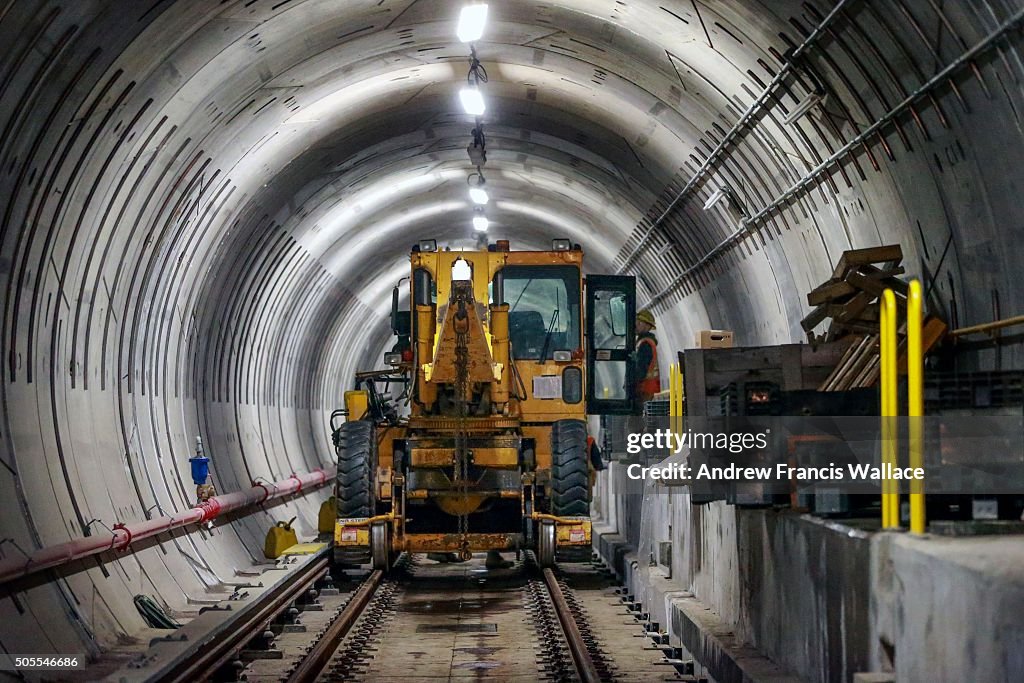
570 473
355 443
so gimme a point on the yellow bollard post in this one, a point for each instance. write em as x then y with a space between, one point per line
915 403
890 388
883 393
890 407
672 390
673 400
680 396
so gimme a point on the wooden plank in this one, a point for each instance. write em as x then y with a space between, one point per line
852 309
831 290
843 369
868 354
932 332
869 376
814 318
866 282
883 272
857 257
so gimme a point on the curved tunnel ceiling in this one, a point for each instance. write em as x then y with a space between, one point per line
206 204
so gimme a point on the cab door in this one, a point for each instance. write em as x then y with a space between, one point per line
611 341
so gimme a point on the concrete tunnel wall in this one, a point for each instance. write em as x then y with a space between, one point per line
204 206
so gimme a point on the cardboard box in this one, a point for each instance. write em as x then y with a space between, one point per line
714 339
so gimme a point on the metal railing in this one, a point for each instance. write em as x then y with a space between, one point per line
890 406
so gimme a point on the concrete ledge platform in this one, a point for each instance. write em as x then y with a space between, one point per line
793 597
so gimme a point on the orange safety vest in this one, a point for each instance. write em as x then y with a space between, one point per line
650 384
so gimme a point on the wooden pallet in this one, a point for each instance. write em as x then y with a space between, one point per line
849 300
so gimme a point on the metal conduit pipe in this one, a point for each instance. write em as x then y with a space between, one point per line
747 228
123 535
737 127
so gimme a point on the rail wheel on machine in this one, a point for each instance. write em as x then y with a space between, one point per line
380 546
546 544
355 444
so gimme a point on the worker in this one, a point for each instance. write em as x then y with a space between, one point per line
648 377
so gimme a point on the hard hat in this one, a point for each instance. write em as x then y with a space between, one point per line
645 316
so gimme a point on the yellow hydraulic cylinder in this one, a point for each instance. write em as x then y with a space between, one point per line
890 408
500 353
425 330
915 404
357 402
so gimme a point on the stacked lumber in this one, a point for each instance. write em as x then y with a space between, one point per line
850 301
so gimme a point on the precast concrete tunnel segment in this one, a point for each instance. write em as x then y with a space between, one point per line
204 207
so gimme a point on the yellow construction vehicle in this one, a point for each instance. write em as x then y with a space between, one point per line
500 357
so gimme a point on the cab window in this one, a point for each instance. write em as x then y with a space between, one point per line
544 310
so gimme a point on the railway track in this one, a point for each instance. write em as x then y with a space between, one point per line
438 621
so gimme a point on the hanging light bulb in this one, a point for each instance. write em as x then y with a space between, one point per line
471 22
480 223
472 101
477 193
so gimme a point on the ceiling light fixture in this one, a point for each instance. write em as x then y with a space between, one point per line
472 101
472 19
480 222
478 195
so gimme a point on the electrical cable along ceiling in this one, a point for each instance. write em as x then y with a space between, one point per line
205 205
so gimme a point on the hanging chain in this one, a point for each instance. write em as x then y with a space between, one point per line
462 400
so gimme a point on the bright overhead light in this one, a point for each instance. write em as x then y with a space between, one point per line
461 270
716 197
472 101
478 195
471 22
480 223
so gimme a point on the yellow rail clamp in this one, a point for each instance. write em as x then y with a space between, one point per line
351 532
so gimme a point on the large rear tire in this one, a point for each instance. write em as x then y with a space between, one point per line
356 445
570 474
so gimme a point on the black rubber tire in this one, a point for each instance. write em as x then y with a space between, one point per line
570 473
355 445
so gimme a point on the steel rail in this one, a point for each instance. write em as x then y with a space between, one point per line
219 648
313 664
580 656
